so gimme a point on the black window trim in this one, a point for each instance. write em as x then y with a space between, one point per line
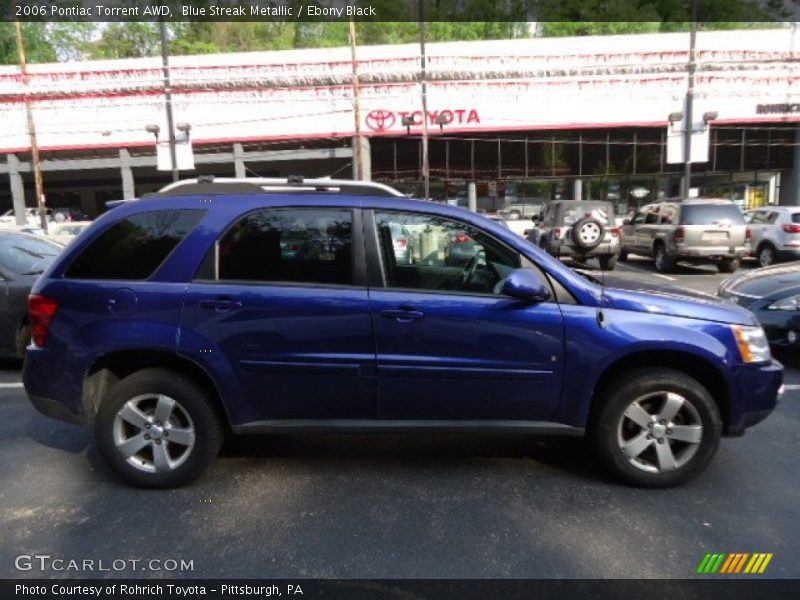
377 278
357 253
65 270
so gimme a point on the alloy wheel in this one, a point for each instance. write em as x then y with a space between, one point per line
154 433
660 432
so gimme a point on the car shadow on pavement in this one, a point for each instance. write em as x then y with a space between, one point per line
568 454
60 436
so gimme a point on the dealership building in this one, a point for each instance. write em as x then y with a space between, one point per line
533 118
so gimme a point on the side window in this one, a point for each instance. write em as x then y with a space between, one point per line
773 217
669 215
651 215
755 217
638 218
306 245
136 246
430 253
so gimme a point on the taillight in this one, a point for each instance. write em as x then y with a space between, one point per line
791 228
748 234
679 234
557 232
400 243
615 231
462 238
41 310
293 247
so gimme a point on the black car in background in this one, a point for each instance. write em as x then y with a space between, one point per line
23 258
772 294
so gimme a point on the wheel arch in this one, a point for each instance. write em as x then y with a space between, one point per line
693 365
111 368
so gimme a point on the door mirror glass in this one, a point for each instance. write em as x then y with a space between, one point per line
524 284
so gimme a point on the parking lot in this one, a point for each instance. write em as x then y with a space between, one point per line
421 506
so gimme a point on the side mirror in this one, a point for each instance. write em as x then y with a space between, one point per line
626 222
524 284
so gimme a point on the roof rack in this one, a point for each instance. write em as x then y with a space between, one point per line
208 184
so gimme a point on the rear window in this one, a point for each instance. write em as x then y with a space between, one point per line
711 214
599 212
135 247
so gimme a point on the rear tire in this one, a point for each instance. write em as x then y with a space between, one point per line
608 262
655 427
135 420
663 262
623 255
22 339
728 265
767 255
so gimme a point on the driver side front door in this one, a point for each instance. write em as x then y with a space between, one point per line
448 348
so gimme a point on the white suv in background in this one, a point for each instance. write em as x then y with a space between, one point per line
774 233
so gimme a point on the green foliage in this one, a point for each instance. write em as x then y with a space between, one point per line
37 45
126 40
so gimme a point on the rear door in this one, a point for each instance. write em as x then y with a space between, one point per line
448 347
282 301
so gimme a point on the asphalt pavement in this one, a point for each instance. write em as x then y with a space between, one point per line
395 506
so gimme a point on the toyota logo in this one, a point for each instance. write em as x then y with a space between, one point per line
380 120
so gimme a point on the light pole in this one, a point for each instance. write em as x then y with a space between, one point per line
37 165
687 137
426 178
168 97
359 150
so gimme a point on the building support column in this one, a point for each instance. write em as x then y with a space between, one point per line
790 185
128 184
362 153
238 161
472 196
577 189
17 189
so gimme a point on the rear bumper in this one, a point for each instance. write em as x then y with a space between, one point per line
54 384
702 253
758 391
561 249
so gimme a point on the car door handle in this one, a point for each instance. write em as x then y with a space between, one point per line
403 315
221 304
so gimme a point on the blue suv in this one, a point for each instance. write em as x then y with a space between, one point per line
255 306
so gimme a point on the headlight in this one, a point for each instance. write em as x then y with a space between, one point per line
790 303
752 342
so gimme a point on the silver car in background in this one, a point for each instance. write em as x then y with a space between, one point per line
695 230
774 233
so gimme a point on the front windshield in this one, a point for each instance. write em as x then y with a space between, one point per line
22 255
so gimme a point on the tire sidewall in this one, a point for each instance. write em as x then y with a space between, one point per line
193 399
617 399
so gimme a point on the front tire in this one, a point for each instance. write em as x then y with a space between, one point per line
663 262
158 429
655 427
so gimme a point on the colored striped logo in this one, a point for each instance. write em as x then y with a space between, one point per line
737 562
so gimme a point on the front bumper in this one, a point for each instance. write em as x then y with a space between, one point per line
758 389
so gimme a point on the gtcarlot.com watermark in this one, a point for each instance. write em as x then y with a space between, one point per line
46 563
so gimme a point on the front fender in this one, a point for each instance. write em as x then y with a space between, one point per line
594 346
